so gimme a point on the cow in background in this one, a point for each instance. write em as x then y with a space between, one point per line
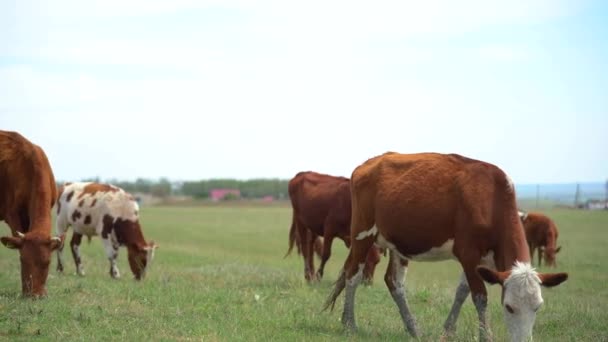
322 208
541 234
106 210
27 194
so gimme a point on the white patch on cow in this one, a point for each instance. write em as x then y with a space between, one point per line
522 294
371 232
488 260
522 215
382 242
443 252
510 184
399 279
357 277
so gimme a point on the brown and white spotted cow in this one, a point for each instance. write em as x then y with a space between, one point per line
106 210
27 194
429 207
322 207
541 234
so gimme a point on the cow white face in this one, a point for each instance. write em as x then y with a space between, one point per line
521 295
521 300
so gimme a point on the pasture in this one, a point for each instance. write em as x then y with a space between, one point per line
219 275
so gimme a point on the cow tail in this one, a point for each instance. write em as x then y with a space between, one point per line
293 236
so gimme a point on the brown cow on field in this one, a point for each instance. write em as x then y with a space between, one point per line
541 234
432 207
27 194
322 207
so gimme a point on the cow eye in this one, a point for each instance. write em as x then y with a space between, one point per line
509 308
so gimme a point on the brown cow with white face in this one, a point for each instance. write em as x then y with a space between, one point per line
106 210
431 207
541 234
27 194
322 208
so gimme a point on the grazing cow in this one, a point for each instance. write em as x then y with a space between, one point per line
321 207
27 194
541 234
430 207
106 210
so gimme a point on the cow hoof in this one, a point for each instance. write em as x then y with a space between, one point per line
368 281
350 327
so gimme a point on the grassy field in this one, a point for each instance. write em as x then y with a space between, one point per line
219 275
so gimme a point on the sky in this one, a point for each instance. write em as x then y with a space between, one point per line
192 90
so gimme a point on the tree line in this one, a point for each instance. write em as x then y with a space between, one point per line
163 187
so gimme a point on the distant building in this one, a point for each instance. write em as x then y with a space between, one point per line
596 205
267 199
220 194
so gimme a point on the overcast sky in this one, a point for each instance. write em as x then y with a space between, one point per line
204 89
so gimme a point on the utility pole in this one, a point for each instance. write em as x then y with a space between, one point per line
577 195
537 194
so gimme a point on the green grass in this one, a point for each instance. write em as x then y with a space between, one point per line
213 262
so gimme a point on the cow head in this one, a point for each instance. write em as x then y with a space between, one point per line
521 295
35 254
140 257
549 254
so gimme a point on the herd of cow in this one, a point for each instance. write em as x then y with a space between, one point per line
420 207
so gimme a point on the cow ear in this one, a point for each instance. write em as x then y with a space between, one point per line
56 242
13 242
491 276
552 279
150 246
558 249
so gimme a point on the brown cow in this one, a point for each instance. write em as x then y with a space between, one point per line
27 194
322 207
432 207
541 234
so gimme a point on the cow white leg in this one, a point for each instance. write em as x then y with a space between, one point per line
111 248
348 315
462 292
62 228
395 281
479 296
75 246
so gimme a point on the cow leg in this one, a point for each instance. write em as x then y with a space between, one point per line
395 281
531 247
111 249
75 247
462 292
309 255
62 228
327 241
540 255
353 276
373 258
480 299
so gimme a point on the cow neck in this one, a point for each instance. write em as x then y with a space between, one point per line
512 245
39 207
